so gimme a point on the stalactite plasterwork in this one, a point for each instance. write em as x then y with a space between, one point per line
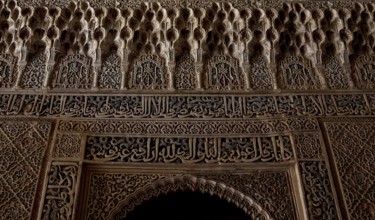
315 45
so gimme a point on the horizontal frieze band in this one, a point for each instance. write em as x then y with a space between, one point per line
189 150
191 128
87 106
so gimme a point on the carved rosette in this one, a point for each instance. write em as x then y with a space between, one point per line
308 146
67 146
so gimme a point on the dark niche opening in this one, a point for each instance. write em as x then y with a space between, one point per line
187 206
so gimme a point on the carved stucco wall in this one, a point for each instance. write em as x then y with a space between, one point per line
266 104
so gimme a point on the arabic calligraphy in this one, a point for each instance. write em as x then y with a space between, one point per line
277 148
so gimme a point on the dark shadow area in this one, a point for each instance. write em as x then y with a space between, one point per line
187 206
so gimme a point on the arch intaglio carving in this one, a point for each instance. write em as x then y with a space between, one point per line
188 183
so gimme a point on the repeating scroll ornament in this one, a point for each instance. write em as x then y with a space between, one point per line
365 72
261 76
7 70
185 73
35 72
212 127
110 76
23 144
108 189
67 145
60 193
224 73
74 72
189 150
298 73
150 72
308 146
354 152
317 189
335 73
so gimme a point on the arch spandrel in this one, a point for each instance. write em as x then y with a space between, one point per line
188 183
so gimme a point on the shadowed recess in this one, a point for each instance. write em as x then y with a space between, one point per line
187 205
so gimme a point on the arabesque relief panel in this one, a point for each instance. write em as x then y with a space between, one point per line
24 146
353 148
242 99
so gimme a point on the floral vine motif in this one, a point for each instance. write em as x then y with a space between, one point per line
185 74
74 72
297 73
365 72
224 73
260 73
110 76
271 190
336 75
317 190
189 150
60 193
108 189
150 72
7 73
35 72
